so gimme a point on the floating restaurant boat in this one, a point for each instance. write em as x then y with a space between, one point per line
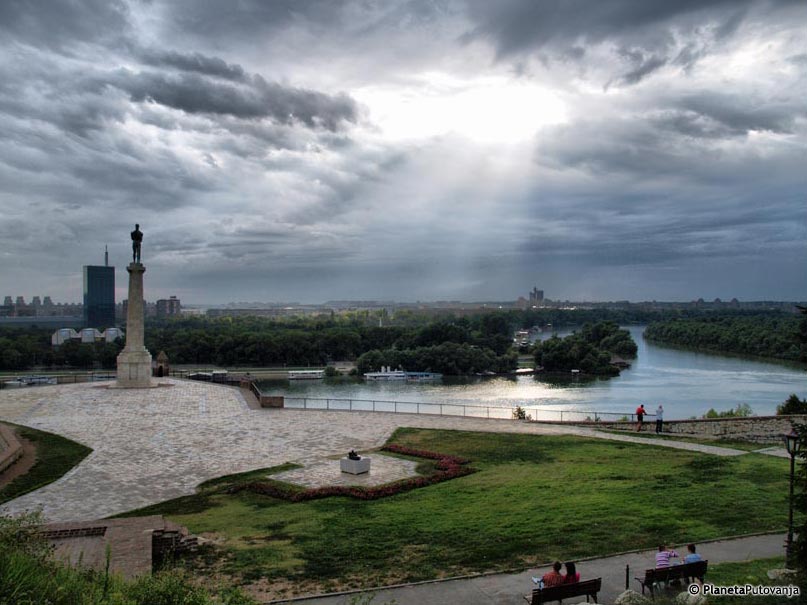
386 374
306 374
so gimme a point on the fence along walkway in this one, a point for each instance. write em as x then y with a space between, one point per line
448 409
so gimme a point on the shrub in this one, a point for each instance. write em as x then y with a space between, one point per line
741 411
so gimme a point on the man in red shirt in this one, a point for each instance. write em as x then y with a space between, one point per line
553 577
640 412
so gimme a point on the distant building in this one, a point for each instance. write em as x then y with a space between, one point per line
168 307
536 296
99 296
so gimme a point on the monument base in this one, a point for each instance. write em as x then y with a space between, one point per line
134 369
355 467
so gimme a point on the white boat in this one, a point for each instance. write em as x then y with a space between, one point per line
306 374
386 374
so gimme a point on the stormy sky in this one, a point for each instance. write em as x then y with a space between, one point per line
310 150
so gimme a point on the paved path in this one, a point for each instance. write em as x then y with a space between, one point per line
150 445
509 589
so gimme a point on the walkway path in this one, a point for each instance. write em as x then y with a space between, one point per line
154 444
507 589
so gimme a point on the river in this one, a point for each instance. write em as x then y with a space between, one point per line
687 384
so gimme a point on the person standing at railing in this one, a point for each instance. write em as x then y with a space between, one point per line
659 419
640 412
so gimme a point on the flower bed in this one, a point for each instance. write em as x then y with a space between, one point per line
447 467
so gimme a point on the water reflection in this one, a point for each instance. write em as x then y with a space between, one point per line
687 383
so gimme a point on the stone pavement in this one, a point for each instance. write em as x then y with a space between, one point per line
150 445
509 589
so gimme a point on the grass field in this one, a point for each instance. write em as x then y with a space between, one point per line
534 499
736 444
55 456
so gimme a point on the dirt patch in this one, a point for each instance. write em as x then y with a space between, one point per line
23 463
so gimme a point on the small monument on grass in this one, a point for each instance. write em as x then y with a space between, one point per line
354 464
134 362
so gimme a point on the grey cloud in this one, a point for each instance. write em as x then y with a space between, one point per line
655 30
58 24
645 67
257 99
194 62
521 25
738 115
211 18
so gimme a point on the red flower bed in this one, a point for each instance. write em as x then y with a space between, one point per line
448 467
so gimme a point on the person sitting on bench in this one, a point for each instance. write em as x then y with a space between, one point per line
553 577
663 557
692 557
572 574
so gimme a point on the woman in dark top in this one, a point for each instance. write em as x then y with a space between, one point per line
571 574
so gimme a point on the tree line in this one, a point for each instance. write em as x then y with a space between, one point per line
485 339
777 336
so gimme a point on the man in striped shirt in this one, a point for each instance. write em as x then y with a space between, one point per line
663 556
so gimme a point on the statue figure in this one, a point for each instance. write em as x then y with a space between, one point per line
352 455
137 238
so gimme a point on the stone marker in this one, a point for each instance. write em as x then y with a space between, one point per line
355 467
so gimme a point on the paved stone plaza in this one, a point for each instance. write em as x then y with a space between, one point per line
150 445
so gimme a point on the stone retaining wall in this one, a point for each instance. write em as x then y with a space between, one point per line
757 429
10 447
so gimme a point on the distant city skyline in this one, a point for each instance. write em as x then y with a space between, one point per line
467 150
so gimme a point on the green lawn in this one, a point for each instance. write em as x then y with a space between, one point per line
55 456
747 446
534 499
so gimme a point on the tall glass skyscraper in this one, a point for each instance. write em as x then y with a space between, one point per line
99 297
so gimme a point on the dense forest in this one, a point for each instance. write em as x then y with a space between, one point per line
588 350
776 336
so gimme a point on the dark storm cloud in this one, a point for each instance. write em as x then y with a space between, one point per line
647 35
217 19
194 62
521 25
255 99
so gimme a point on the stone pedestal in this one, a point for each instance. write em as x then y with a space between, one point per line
354 467
134 362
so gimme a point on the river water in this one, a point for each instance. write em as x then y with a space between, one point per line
686 383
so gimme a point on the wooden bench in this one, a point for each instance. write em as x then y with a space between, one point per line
589 588
665 575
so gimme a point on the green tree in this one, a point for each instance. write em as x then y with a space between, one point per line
792 405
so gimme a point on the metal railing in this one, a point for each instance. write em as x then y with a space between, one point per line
451 409
65 377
